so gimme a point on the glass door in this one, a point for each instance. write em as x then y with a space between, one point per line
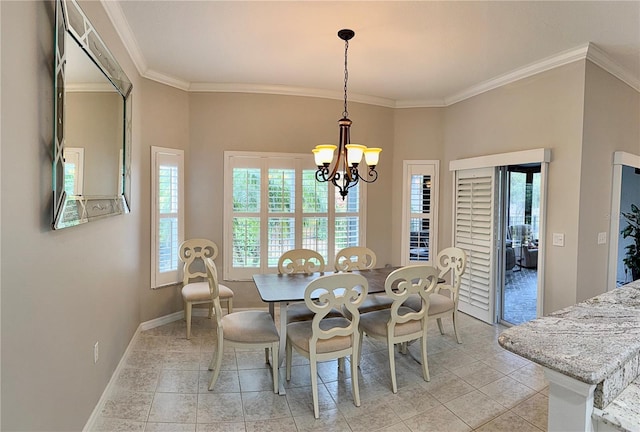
519 195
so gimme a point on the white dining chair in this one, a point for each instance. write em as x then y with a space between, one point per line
361 258
243 329
452 263
355 258
195 289
400 324
325 338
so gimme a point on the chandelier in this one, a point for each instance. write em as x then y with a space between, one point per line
344 175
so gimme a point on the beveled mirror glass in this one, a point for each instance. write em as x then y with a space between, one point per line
92 132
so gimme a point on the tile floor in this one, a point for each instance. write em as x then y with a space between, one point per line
474 386
520 295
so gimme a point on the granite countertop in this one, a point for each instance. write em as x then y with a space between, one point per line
624 412
588 341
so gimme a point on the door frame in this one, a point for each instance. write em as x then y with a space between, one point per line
620 159
541 156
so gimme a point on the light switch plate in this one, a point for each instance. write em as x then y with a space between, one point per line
558 239
602 238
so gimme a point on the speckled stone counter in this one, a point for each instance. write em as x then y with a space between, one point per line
596 342
623 412
591 341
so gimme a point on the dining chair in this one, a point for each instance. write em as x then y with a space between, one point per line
325 338
296 261
361 258
452 263
400 324
243 329
355 258
300 261
195 288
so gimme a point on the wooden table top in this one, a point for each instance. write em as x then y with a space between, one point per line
274 287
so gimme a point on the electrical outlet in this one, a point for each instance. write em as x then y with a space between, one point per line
96 353
602 238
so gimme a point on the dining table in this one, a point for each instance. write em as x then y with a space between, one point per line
283 289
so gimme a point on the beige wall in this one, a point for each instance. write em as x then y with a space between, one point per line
611 123
543 111
418 135
165 123
93 121
62 290
255 122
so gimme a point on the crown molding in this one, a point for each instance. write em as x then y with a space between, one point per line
586 51
166 79
119 21
598 57
546 64
289 91
90 87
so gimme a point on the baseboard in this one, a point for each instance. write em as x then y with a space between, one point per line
89 426
147 325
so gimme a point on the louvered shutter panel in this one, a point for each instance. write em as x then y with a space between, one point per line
473 232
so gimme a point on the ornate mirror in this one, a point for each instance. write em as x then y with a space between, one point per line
92 131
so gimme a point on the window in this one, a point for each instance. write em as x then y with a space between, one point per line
167 210
275 204
73 170
420 210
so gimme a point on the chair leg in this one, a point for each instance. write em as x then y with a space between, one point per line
289 356
187 317
403 348
425 364
392 365
455 326
266 355
210 311
358 354
341 364
274 365
314 384
230 305
355 390
440 326
218 358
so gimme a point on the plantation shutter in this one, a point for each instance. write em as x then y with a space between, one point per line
473 232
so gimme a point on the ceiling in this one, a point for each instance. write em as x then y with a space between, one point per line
405 53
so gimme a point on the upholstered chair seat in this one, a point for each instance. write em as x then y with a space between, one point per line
244 329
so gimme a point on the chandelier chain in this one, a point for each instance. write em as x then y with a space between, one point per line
345 113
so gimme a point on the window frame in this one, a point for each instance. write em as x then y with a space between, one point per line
161 279
267 160
419 167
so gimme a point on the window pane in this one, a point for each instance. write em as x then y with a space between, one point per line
350 203
282 237
419 239
420 193
314 194
168 244
282 190
246 189
70 178
246 242
517 186
168 189
347 230
314 235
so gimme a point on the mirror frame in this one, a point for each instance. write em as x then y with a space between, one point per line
72 210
